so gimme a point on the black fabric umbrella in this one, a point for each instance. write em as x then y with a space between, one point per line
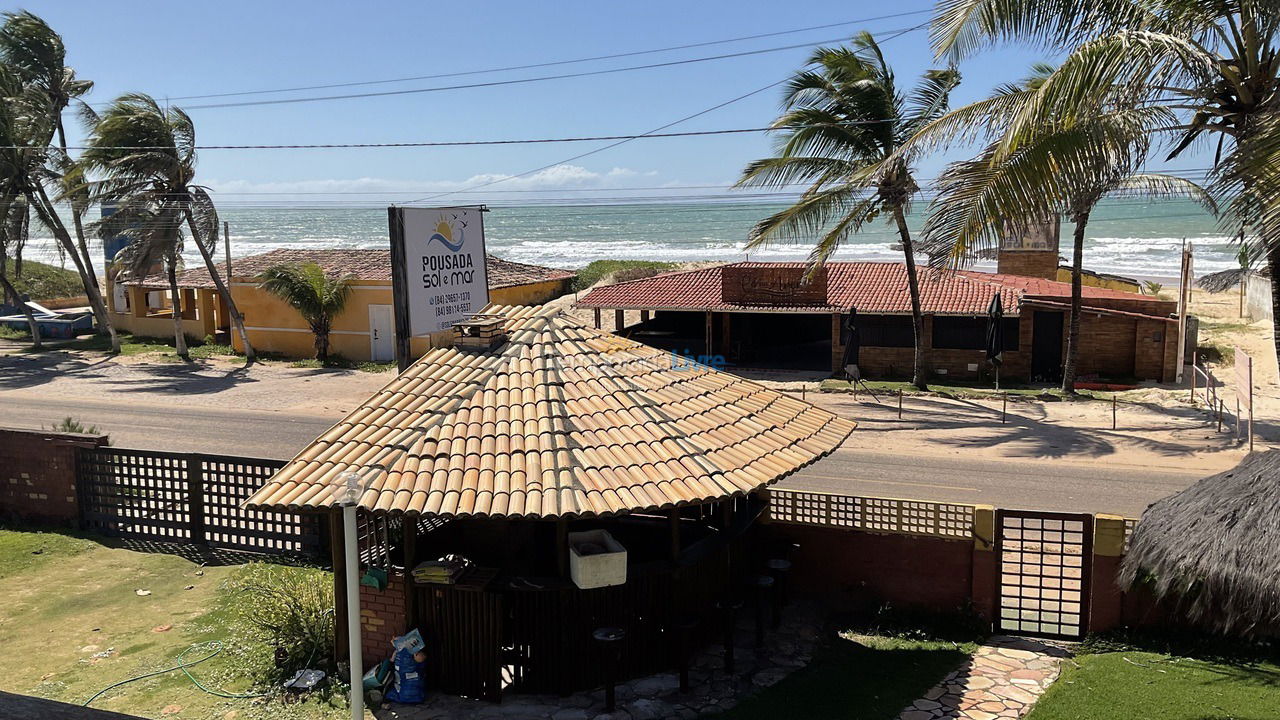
852 345
995 335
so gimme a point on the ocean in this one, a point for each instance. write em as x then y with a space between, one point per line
1128 236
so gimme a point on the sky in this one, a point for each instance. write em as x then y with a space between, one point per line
177 50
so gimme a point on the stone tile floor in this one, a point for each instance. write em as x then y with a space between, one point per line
656 697
1003 679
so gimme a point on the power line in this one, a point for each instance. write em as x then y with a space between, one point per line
520 81
532 66
659 129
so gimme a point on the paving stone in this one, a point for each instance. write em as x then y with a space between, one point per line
927 705
916 715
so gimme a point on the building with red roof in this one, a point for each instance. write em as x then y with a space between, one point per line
761 314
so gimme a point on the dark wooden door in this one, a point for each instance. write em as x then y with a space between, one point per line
1046 346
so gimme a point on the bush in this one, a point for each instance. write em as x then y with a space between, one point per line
69 424
624 269
290 609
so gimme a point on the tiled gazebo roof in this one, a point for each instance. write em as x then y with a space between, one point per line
560 420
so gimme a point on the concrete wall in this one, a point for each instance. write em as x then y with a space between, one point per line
38 475
275 327
199 319
1258 297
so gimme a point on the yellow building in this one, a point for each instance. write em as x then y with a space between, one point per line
364 331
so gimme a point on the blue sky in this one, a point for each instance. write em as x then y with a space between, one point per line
180 49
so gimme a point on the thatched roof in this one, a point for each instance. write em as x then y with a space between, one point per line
1216 547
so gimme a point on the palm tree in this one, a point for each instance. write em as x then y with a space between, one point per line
316 295
28 124
843 121
154 240
146 157
14 231
37 56
1217 64
1064 168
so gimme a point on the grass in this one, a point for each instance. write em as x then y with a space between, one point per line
131 345
72 623
45 282
338 362
592 274
1136 684
857 677
959 389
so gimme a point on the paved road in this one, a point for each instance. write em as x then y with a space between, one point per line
1050 484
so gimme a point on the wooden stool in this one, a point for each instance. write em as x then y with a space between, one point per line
610 639
729 608
764 585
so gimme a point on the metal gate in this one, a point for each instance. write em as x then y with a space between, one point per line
187 498
1043 583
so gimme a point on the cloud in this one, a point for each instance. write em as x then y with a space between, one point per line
564 177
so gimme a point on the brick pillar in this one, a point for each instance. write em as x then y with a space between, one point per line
986 563
38 475
382 618
1106 599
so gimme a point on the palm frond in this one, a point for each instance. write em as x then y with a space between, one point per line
962 27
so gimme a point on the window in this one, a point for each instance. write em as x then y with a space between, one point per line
884 330
970 333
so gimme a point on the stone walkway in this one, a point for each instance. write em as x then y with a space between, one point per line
1003 679
656 697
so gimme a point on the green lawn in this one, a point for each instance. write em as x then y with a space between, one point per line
856 677
72 623
1134 685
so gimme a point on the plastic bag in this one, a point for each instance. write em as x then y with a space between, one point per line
408 684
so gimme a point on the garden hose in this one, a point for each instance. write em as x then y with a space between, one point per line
214 647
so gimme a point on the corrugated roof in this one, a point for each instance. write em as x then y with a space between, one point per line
364 263
560 420
871 287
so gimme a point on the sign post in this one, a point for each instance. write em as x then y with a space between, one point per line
439 275
1244 391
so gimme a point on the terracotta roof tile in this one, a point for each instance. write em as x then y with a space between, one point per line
871 287
364 263
559 420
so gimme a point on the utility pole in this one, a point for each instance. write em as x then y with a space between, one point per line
226 240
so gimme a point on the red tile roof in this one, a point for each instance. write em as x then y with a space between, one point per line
365 264
871 287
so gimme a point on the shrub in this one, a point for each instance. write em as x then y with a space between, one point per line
69 424
288 608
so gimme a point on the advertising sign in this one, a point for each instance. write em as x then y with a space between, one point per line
444 266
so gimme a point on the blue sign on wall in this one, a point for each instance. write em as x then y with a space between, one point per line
112 244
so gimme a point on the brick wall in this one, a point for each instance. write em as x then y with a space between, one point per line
1029 263
896 362
382 617
861 571
38 479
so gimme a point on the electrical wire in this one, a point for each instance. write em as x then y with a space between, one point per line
659 129
533 66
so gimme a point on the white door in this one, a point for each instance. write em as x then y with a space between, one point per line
382 334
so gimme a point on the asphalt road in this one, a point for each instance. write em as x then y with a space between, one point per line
1049 484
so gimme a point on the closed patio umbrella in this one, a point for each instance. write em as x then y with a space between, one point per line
852 346
995 335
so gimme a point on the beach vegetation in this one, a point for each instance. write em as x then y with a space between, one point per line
318 296
41 281
69 424
843 122
621 270
144 157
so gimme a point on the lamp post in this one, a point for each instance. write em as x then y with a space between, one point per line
349 499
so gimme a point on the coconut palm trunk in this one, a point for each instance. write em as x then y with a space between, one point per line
321 331
39 199
175 300
11 291
237 320
913 288
1072 362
